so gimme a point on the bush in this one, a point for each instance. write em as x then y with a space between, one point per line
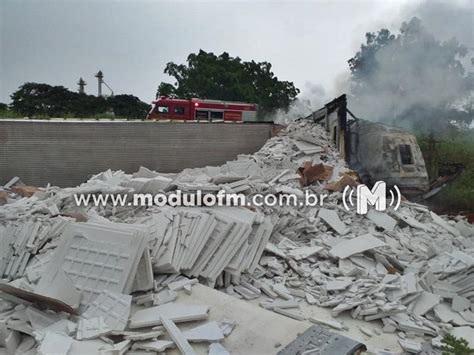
455 346
456 146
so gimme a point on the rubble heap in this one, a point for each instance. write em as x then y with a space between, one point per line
410 268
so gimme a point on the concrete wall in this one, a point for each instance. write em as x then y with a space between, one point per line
67 153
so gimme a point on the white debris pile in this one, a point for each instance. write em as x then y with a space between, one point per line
113 323
410 269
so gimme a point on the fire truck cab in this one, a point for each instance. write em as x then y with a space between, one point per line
202 110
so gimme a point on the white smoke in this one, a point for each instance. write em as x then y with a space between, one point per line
416 70
311 98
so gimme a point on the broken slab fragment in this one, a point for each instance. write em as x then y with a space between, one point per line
63 289
411 221
347 248
137 336
176 312
208 332
381 220
177 337
217 349
180 284
410 346
285 312
304 252
154 345
280 304
425 302
332 219
460 303
55 343
329 323
114 308
443 224
118 349
91 328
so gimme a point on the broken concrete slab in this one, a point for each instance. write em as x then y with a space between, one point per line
62 289
347 248
460 303
304 252
410 346
332 219
208 332
114 309
443 224
176 312
55 343
177 337
381 219
332 323
287 313
153 345
217 349
91 328
425 302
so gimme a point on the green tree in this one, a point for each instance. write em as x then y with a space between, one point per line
166 89
33 99
43 100
128 106
206 75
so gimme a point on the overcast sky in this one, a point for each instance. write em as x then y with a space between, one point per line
56 42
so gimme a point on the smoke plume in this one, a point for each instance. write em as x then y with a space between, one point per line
312 97
420 76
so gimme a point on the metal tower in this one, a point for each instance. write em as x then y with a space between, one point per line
100 81
82 85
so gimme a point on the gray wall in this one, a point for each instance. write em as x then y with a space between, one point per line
67 153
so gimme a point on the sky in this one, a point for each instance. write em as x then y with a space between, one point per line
307 42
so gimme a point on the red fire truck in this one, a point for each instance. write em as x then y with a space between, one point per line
202 110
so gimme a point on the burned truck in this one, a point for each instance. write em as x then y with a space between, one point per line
376 151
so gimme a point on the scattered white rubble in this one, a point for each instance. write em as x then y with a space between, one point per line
76 275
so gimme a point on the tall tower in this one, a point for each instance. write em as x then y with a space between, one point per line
100 80
82 85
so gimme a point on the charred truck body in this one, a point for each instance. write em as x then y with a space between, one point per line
377 152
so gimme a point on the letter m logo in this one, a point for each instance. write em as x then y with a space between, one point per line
376 196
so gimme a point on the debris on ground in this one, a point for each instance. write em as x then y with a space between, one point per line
109 277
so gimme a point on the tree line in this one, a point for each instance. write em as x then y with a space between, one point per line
409 78
43 100
205 76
